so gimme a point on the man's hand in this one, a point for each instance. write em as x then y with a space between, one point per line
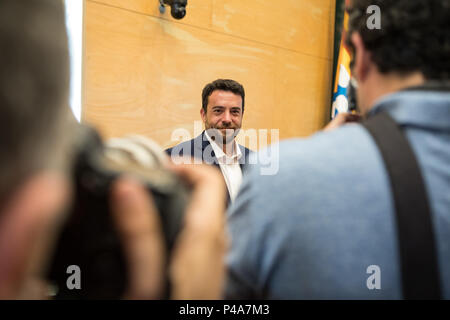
139 228
197 269
341 119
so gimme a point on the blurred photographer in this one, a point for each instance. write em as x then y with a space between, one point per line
363 211
35 189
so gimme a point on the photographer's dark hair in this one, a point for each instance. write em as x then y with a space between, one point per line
34 82
225 85
414 35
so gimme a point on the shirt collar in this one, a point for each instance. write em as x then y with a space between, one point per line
417 107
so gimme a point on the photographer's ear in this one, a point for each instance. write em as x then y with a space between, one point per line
203 114
362 58
29 223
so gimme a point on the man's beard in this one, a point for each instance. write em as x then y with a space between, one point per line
217 135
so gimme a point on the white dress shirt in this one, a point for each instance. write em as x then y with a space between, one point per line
229 165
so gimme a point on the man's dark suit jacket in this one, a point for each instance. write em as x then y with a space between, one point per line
200 148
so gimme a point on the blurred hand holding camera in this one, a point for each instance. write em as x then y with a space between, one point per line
197 270
341 119
139 229
196 264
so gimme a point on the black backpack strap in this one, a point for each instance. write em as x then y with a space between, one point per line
418 258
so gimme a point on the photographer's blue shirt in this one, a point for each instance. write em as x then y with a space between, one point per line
324 227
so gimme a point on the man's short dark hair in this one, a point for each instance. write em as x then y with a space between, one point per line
225 85
34 82
414 35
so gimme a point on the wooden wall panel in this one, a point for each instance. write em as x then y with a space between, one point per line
302 90
199 12
144 74
299 25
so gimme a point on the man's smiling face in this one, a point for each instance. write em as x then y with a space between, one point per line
223 112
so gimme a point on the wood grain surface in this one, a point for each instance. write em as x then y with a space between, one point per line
144 71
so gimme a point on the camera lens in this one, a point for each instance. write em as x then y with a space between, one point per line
177 11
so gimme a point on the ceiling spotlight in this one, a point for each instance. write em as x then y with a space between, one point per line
177 7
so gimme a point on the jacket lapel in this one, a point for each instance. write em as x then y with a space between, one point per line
208 156
207 153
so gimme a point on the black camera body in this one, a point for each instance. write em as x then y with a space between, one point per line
89 239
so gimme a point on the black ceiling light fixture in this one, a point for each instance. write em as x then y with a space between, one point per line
177 7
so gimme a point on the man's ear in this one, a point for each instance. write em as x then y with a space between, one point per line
362 59
203 114
29 223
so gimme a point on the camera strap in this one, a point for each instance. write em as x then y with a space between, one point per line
418 258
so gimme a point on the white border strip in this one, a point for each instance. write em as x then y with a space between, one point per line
74 24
